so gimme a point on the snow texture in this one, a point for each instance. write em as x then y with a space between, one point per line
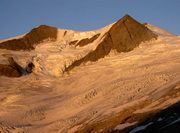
50 101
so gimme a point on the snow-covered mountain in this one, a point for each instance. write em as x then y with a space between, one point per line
108 80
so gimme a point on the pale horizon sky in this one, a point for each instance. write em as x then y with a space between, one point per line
20 16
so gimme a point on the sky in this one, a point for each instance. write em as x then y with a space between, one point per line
18 17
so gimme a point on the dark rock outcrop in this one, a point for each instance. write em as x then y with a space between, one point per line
8 71
30 67
17 67
65 33
125 35
31 39
73 42
166 121
13 69
86 41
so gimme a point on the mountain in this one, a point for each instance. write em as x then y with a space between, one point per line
31 39
123 36
121 78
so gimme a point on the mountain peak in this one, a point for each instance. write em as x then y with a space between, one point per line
125 35
126 16
130 33
29 40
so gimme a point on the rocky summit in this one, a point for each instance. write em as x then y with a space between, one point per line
31 39
125 35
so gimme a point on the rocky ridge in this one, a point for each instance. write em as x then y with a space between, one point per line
123 36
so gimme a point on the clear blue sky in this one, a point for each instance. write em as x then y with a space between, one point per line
17 17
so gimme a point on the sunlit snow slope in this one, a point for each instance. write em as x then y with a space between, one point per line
158 31
113 92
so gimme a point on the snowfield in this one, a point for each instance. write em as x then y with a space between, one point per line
105 95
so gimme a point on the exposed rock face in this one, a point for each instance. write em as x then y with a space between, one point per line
15 70
30 67
124 36
17 67
167 121
73 42
12 69
127 34
31 39
86 41
9 71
